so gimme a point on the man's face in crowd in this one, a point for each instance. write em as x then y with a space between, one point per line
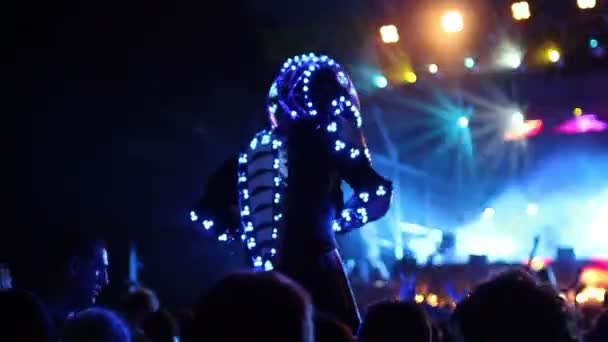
90 276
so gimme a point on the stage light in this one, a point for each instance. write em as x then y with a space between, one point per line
538 264
419 298
520 10
433 68
463 122
410 77
469 62
532 209
582 124
511 59
586 4
591 294
389 34
380 81
452 21
578 111
553 55
527 129
488 213
593 43
432 300
517 118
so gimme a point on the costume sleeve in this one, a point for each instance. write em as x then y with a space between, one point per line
372 192
217 212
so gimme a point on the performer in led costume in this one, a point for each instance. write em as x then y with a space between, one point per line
288 184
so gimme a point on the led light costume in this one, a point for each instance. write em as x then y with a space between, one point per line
288 181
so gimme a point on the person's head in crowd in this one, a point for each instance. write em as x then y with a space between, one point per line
599 332
513 307
95 325
254 307
395 321
328 329
78 273
23 317
160 326
138 305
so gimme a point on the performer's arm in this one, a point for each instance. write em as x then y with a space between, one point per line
217 212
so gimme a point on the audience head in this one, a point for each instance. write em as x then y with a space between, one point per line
23 317
95 325
79 267
395 320
256 307
513 307
328 329
139 304
599 333
160 326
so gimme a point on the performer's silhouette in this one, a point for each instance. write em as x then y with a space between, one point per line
283 196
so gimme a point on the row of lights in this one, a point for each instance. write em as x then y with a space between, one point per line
532 210
521 9
452 21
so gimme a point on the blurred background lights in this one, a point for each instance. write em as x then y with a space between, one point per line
520 10
488 213
410 77
532 209
452 21
593 43
578 111
389 34
463 122
433 68
585 4
553 55
469 62
517 118
380 81
511 59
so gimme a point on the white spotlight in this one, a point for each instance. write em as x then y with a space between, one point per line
463 122
488 213
532 209
517 118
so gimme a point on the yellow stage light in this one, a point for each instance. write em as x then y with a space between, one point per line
432 300
410 77
553 55
578 111
419 298
389 34
520 10
452 21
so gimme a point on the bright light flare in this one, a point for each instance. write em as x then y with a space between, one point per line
591 294
380 81
510 59
452 21
582 124
469 62
578 111
419 298
553 55
432 300
527 129
521 10
594 277
410 77
586 4
532 209
433 68
488 213
389 34
517 118
463 122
